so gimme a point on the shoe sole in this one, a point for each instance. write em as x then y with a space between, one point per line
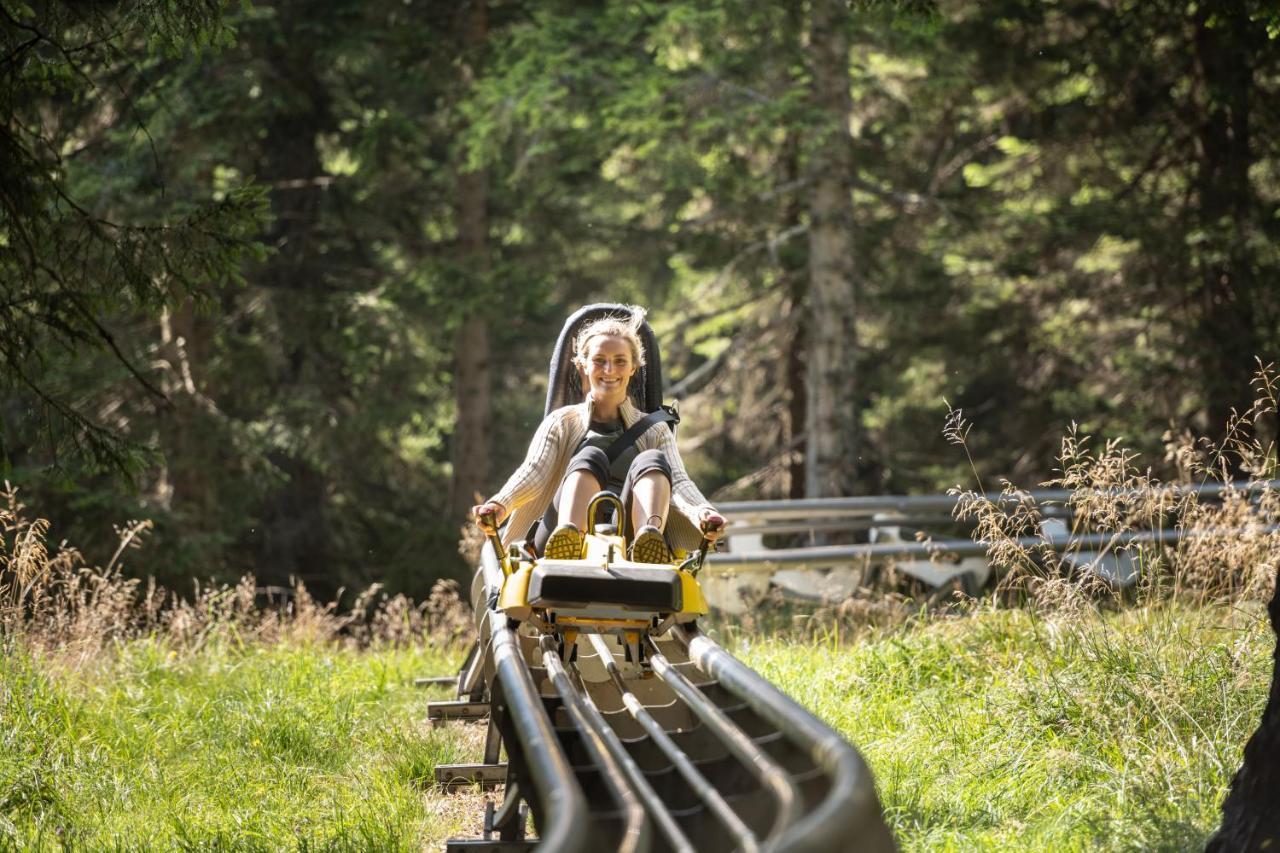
566 546
650 548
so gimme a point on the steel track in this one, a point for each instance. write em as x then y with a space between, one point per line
687 749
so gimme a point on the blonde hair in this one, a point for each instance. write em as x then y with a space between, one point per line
613 326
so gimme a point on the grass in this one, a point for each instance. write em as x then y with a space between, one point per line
264 747
1005 730
132 718
998 730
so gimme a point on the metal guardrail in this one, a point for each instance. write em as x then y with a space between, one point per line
885 515
825 554
1050 501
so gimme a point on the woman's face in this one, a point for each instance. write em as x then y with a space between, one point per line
609 368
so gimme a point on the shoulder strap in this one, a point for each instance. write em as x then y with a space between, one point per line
662 414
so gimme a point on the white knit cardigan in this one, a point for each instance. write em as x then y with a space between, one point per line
528 492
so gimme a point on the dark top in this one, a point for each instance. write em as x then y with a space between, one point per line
603 435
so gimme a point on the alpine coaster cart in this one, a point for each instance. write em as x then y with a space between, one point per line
623 726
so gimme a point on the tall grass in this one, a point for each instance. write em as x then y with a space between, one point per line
236 717
1020 729
258 747
1227 550
56 603
1086 716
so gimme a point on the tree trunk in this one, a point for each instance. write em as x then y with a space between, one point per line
472 374
831 418
1225 49
794 370
1251 812
184 483
796 379
471 433
294 538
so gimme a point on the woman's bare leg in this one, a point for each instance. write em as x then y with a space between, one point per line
650 500
575 493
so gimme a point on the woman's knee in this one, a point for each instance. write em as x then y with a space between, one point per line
593 461
649 462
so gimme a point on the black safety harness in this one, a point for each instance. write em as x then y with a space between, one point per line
662 414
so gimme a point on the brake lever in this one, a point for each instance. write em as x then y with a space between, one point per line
491 532
701 556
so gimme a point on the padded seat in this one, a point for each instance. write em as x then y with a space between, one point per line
569 586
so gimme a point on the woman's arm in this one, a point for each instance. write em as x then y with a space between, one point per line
525 482
684 493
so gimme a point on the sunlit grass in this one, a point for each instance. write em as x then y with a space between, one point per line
998 730
1008 731
267 747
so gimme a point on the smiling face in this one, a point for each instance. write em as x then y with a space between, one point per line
606 369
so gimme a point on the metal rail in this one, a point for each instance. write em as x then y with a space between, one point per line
826 554
850 811
743 837
588 720
625 783
560 807
765 769
819 508
685 750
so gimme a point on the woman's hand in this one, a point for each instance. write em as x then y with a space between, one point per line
489 515
712 525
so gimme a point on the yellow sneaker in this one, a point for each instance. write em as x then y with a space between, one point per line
565 543
650 546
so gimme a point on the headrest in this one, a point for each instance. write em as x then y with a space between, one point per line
564 386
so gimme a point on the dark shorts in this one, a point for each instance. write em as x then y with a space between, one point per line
595 461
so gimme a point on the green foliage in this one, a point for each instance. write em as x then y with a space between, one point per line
233 275
70 74
1088 273
288 415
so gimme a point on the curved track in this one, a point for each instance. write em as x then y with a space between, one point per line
683 749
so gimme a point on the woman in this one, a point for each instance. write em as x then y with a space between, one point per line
567 463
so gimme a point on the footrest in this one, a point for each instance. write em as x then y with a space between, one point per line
457 710
460 775
568 586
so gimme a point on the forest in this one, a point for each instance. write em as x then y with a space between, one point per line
281 278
